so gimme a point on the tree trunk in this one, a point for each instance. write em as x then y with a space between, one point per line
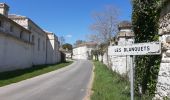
102 59
107 59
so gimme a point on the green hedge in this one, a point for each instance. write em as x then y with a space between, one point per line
145 18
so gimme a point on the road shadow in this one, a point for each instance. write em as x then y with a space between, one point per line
15 73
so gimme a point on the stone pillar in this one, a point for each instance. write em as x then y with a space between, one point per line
163 83
4 9
125 36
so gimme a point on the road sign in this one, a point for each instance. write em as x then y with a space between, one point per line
151 48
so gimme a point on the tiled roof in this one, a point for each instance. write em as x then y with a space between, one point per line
14 16
13 22
125 34
124 25
47 32
88 44
11 16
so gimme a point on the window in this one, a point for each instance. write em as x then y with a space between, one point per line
30 28
29 38
43 45
11 28
38 44
32 39
0 23
21 35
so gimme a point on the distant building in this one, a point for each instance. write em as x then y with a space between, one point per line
23 43
68 54
83 51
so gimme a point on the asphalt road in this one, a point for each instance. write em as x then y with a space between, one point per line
69 83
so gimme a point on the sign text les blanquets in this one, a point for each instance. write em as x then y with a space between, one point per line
152 48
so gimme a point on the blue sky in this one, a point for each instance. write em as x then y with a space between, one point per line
68 18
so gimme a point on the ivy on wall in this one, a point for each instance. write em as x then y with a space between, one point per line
145 18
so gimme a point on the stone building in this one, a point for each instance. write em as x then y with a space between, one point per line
68 53
83 51
22 42
53 53
38 38
125 36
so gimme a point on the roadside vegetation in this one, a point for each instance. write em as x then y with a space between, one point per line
145 20
109 85
22 74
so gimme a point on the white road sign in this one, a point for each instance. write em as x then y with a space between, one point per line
152 48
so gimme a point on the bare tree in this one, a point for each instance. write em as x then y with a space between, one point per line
62 40
79 42
105 26
93 38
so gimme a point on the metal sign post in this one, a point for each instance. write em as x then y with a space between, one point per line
132 78
152 48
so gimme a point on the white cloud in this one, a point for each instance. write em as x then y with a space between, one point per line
68 36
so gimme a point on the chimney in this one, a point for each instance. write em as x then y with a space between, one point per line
4 8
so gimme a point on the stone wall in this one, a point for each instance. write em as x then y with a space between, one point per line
23 43
53 55
125 36
14 53
46 46
15 46
82 52
39 49
163 84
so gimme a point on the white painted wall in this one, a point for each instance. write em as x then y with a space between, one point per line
105 59
23 43
58 53
53 54
100 58
58 56
68 55
121 64
14 53
39 48
50 52
15 50
39 40
82 52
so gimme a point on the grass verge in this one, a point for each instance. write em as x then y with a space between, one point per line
109 85
22 74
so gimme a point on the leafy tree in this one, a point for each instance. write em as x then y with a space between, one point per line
102 49
95 54
67 46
